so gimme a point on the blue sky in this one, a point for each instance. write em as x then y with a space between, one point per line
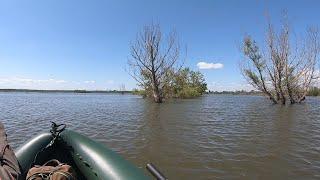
75 44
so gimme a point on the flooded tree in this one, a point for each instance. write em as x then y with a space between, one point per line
286 69
153 56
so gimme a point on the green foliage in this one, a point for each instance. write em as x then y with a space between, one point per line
185 84
139 92
251 50
188 92
252 76
314 91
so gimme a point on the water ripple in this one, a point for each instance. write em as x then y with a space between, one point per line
213 137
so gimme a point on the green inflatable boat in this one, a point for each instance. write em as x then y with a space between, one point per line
91 160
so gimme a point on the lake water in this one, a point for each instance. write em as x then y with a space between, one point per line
212 137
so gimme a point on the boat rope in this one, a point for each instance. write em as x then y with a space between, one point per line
55 131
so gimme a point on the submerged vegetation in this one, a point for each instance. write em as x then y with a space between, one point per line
157 67
283 70
287 70
153 57
184 83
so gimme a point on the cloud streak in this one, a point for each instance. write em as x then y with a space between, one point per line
30 81
110 82
229 86
16 82
90 82
205 65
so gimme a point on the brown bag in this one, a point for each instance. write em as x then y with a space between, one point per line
51 170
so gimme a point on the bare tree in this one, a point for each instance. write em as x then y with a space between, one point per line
152 58
286 70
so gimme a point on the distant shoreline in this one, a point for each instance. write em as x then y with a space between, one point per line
64 91
120 92
253 93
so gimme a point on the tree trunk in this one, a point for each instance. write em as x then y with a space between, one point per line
271 97
292 100
157 96
156 91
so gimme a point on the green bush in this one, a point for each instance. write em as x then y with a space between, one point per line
314 91
189 92
185 83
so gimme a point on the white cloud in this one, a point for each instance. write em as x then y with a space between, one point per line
229 86
110 81
29 81
61 81
15 82
205 65
90 82
317 73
